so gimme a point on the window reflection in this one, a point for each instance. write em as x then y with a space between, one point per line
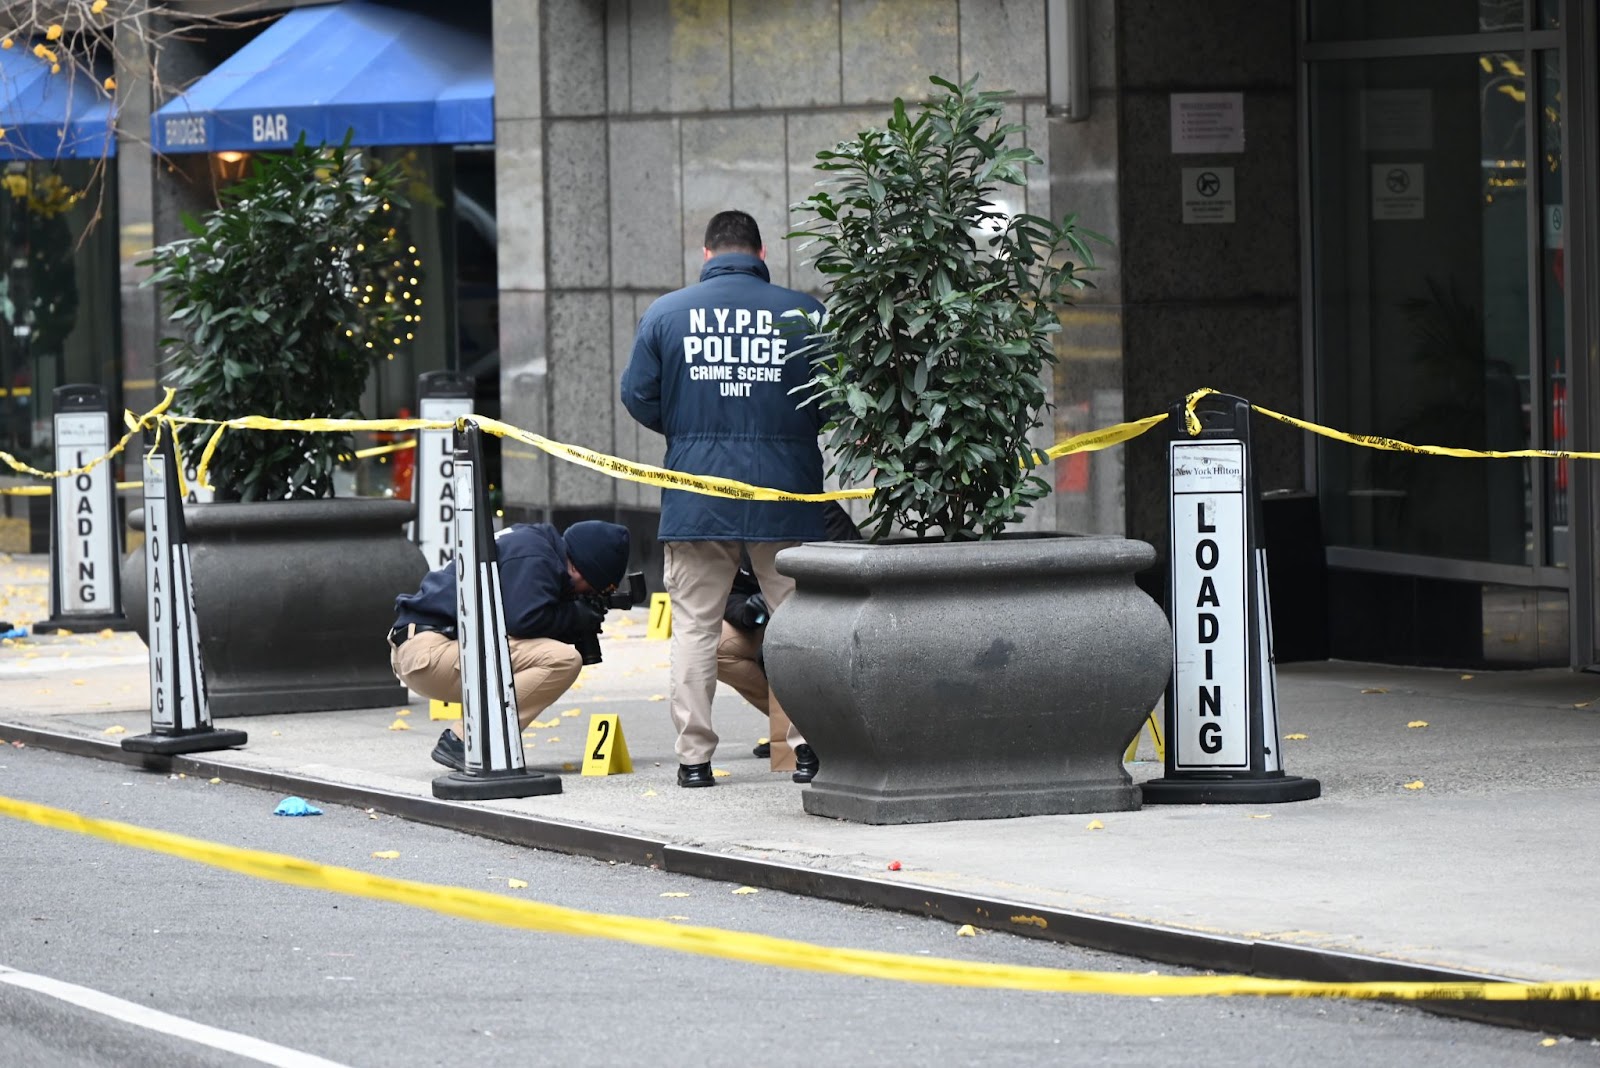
58 293
1354 20
1420 234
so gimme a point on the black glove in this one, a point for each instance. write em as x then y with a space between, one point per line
752 614
586 619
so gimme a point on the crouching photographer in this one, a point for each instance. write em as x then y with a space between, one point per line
555 589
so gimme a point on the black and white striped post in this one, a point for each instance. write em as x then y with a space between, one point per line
85 591
492 733
180 715
1222 700
440 395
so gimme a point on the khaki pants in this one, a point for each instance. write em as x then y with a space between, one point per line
699 576
739 666
542 669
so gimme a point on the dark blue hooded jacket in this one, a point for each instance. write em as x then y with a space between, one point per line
534 585
710 371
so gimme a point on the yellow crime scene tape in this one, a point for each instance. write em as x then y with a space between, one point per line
710 485
792 954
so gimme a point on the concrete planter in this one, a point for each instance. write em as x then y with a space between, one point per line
968 681
294 599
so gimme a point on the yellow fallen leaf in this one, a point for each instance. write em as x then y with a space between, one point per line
569 766
63 633
399 725
108 633
677 917
648 793
661 664
277 734
540 725
763 741
658 697
79 682
387 854
1417 723
720 773
1582 704
1417 785
1095 825
966 930
1547 1042
1294 737
116 730
674 893
747 890
516 884
1261 815
1465 677
1374 689
551 740
213 782
402 711
569 713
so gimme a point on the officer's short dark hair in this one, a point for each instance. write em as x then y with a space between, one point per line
733 231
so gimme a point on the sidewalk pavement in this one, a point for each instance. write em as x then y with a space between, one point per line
1486 867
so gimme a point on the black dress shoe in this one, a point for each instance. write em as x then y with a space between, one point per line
450 751
805 763
695 775
763 750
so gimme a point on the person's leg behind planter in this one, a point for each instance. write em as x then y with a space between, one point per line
776 589
542 669
739 666
698 576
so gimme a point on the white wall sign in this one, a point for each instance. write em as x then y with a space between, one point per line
1210 609
1555 225
1397 191
86 519
1396 120
1208 195
436 492
1207 122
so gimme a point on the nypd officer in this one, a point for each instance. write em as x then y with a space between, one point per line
543 576
710 371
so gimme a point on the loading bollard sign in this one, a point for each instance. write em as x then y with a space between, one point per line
440 395
180 716
1222 703
85 591
492 739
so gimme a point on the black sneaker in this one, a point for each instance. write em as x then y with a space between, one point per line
450 751
763 749
805 763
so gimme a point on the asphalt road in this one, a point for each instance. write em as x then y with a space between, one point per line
369 983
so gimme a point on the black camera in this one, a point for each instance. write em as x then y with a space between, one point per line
630 594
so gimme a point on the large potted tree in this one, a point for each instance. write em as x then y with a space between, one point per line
282 299
946 669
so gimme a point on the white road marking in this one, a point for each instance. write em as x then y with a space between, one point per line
164 1023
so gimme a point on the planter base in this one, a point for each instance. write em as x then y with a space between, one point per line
82 624
303 695
459 786
932 806
199 741
968 681
1255 791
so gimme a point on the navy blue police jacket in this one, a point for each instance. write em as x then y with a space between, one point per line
711 371
534 586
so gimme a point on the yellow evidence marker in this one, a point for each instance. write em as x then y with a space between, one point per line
1155 736
660 616
438 709
605 751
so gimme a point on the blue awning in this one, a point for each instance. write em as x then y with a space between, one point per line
392 76
51 116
